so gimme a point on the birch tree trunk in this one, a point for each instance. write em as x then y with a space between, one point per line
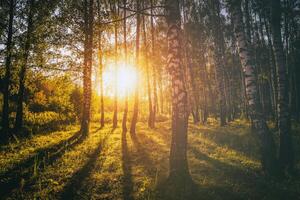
178 152
267 145
286 154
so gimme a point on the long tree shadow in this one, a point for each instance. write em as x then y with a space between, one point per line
230 171
127 170
228 176
143 156
244 143
75 183
26 169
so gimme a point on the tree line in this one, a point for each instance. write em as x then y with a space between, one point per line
224 59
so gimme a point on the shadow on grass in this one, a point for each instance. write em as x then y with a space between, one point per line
179 188
184 188
13 135
143 157
78 178
98 129
238 182
26 169
224 172
127 189
245 143
165 134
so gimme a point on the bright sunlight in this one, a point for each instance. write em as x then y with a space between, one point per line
126 80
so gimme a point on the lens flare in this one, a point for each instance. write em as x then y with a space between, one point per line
126 81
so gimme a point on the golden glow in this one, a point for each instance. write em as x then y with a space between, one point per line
127 77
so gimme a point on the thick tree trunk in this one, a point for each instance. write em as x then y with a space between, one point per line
6 92
178 152
137 52
267 144
19 114
286 154
87 70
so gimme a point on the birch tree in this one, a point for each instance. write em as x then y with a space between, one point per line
267 145
178 153
286 154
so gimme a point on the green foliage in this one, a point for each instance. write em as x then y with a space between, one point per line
51 102
47 120
76 101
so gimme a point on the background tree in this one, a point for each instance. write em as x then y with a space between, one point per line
24 62
6 92
218 57
137 62
261 129
286 156
125 113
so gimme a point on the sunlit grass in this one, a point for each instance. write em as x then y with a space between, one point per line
223 162
17 151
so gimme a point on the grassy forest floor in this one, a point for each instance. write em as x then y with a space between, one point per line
110 165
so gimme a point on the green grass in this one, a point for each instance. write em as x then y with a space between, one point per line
223 162
19 150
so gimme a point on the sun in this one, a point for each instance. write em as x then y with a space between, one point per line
127 77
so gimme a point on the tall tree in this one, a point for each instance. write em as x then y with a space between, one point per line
124 121
6 92
286 154
218 39
178 153
101 80
100 60
154 71
267 144
137 53
193 93
150 104
24 62
87 68
115 116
